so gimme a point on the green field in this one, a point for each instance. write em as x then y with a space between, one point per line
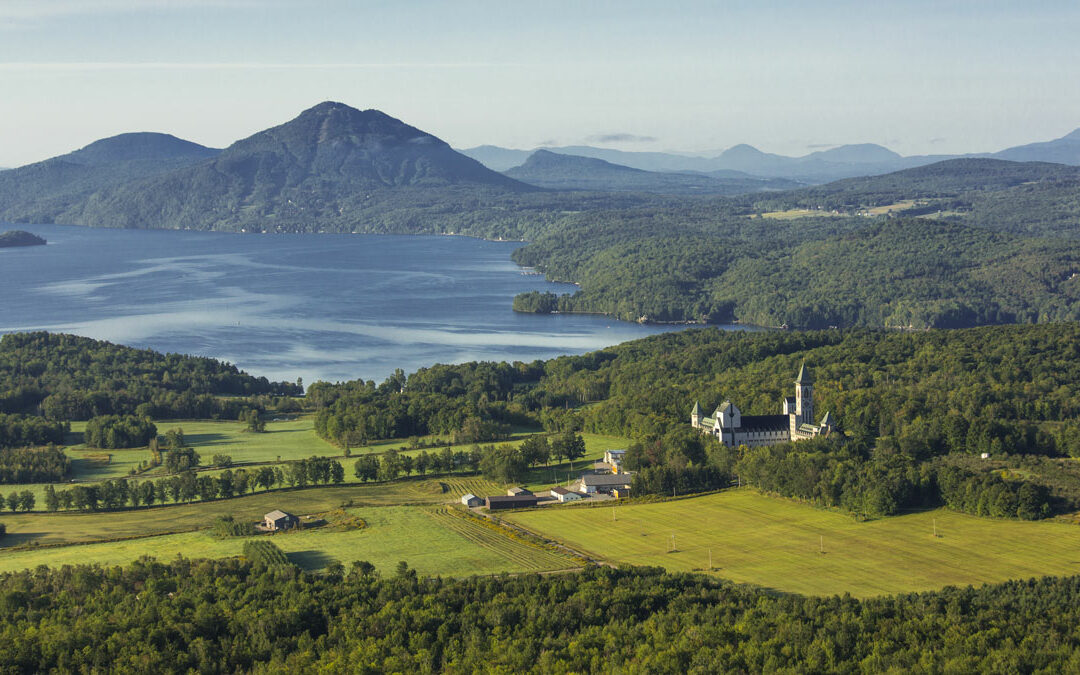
430 539
775 543
287 440
74 527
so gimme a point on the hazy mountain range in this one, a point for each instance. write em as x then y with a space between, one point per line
846 161
572 172
337 168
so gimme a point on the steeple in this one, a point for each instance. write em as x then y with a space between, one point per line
696 412
804 375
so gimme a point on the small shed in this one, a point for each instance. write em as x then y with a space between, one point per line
517 491
280 520
565 495
471 500
621 493
510 502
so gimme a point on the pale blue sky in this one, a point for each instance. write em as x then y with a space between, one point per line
918 76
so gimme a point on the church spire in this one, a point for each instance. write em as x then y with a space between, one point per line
804 375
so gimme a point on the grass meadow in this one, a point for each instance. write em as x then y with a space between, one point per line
778 543
429 539
77 528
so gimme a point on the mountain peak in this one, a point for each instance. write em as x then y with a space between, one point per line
740 151
1074 135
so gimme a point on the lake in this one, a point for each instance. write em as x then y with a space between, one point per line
330 307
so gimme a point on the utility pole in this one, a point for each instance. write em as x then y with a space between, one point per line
821 543
710 560
935 527
613 514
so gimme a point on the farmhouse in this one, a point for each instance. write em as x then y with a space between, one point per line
279 520
614 458
796 423
565 495
498 502
471 500
605 483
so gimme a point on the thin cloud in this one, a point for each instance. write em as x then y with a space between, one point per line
45 66
820 146
36 10
620 138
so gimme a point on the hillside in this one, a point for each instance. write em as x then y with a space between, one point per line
43 191
324 168
842 272
570 172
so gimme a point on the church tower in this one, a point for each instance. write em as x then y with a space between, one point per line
804 397
695 416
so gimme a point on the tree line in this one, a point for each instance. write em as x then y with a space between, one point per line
263 614
189 486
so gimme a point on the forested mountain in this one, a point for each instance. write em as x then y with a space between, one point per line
234 616
569 172
43 192
323 168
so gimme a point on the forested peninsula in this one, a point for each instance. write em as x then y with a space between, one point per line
13 238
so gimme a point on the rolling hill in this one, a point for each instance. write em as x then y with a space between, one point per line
42 191
571 172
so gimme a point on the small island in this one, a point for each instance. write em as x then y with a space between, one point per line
19 238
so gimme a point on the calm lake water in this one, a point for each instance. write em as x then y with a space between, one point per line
331 307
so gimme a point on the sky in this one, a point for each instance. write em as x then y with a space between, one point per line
919 76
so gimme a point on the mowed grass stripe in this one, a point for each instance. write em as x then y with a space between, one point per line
776 543
530 557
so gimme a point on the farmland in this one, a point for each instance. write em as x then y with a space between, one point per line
67 528
283 441
778 544
430 539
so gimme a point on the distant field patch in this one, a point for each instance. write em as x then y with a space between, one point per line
775 543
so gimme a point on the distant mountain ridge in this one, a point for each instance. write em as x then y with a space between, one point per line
572 172
844 161
327 164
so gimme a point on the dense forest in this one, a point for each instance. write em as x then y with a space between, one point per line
65 377
235 616
718 260
808 273
909 403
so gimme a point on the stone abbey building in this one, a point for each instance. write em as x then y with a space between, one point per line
733 429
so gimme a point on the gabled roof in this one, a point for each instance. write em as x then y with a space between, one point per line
827 420
469 495
278 515
804 376
724 407
764 423
607 479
